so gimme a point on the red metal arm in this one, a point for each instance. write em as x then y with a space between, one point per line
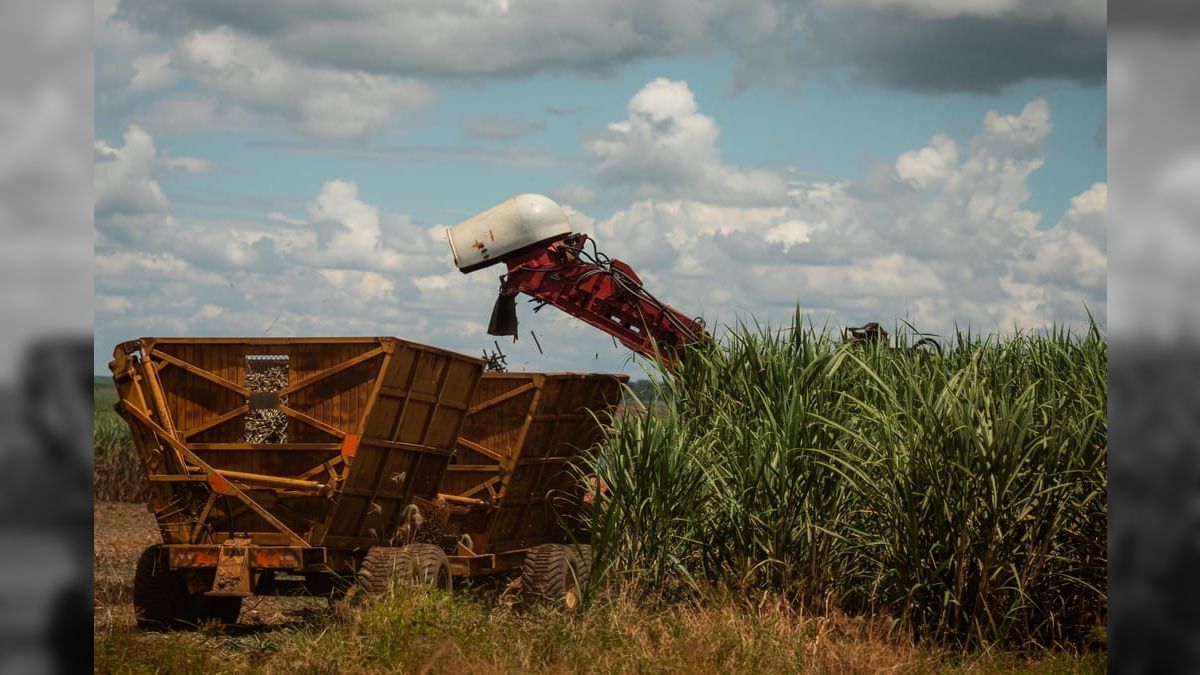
603 292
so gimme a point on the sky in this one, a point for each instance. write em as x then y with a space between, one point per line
289 168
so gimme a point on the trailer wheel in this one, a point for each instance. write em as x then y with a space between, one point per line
583 565
418 564
160 595
161 598
551 571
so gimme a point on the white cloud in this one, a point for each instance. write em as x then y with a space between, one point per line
186 164
666 148
123 177
246 73
918 44
136 267
152 71
346 227
359 284
494 128
574 194
129 202
789 233
929 166
1081 12
1067 265
344 267
1019 133
940 236
208 312
114 304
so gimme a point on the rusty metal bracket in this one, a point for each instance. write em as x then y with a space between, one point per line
233 569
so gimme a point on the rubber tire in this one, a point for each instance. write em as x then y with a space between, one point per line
551 570
160 595
415 564
161 599
583 564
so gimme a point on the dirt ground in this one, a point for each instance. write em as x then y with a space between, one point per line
122 532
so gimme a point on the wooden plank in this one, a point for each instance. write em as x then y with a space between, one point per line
474 467
236 491
482 486
268 340
312 421
272 481
392 391
510 465
486 452
194 537
269 447
200 372
321 468
356 529
160 410
216 421
304 341
409 447
414 467
501 398
564 417
525 461
459 499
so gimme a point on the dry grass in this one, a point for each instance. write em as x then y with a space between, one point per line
470 632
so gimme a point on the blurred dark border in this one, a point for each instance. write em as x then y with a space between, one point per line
46 95
1154 368
45 502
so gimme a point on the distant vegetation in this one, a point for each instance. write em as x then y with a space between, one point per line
644 391
117 473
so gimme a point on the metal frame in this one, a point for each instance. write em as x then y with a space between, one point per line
528 425
364 411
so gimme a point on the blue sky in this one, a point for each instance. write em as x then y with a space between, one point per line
255 175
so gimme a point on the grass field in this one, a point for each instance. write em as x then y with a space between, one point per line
788 504
472 632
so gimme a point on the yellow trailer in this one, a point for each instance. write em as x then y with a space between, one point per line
288 465
512 487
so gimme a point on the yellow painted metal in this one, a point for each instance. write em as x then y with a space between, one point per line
522 433
359 412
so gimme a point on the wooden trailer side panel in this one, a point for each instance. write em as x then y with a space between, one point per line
403 445
500 415
533 426
350 409
538 503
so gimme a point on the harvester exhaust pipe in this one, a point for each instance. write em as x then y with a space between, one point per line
504 316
